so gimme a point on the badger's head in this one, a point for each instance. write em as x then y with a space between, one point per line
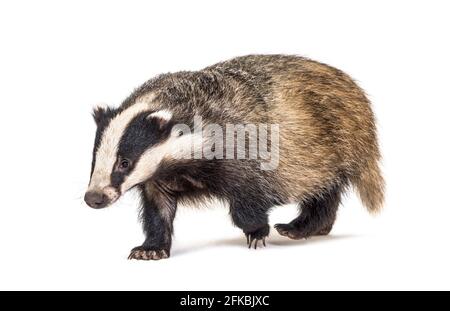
129 145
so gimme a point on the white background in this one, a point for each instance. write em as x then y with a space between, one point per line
59 58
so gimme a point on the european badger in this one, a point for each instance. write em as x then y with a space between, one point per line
326 141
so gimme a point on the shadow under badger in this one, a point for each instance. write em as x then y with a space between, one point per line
327 142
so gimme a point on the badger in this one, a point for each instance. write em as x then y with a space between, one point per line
322 140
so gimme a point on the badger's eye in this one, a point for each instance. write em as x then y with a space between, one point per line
124 164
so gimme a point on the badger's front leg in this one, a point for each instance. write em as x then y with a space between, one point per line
158 211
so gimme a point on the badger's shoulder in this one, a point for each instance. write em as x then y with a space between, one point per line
213 94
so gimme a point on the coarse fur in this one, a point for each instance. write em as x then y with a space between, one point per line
327 142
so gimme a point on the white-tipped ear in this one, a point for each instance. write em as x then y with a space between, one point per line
101 105
99 112
161 116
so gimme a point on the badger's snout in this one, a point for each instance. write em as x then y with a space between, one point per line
96 199
101 198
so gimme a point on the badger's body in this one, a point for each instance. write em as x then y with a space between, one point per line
327 141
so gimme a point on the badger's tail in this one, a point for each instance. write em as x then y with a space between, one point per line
370 186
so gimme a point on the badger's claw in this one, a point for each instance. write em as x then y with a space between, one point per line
250 241
255 236
139 253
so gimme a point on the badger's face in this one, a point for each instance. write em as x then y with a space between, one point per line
129 145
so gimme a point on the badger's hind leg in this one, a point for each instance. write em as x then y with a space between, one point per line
316 218
253 220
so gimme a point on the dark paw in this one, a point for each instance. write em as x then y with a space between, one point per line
289 231
300 232
324 231
141 253
253 237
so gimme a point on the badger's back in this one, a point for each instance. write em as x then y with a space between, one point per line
327 129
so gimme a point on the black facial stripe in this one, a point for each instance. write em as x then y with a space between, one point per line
118 176
117 179
141 134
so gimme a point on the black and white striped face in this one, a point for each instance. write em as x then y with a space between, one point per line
129 146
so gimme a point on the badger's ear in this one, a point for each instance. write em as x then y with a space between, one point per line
161 117
99 113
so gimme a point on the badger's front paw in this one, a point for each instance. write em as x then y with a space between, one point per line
142 253
256 236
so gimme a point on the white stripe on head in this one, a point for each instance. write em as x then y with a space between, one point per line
106 154
175 147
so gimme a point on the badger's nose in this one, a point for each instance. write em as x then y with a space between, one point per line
95 199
